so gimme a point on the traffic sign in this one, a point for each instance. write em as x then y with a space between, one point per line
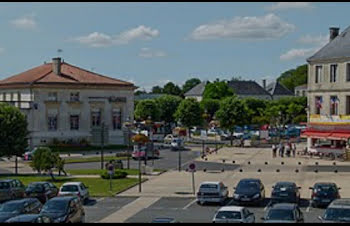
192 166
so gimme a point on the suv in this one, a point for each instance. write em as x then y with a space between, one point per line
249 191
11 189
338 211
16 207
64 210
285 192
323 194
212 192
284 213
75 188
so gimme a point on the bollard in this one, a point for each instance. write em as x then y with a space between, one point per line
277 170
266 163
240 170
282 163
297 171
233 161
248 162
335 171
316 163
259 170
204 170
222 170
316 171
299 163
223 161
334 164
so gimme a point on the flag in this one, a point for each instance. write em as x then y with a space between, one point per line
319 102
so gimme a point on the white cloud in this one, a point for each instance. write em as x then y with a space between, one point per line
289 5
269 26
299 53
320 40
97 39
26 22
150 53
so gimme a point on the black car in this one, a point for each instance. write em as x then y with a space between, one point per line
65 209
30 218
14 208
249 190
323 194
42 191
285 192
284 213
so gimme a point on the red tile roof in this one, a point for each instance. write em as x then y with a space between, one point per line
70 74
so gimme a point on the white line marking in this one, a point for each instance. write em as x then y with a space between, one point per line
189 204
308 209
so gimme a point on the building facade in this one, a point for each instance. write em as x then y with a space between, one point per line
65 103
301 91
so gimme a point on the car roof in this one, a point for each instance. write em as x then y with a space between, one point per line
66 198
341 203
231 208
72 183
251 179
286 183
284 206
40 182
324 183
211 182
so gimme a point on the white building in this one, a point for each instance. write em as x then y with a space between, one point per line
65 102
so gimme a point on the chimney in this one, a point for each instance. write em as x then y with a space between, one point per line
264 83
333 33
56 65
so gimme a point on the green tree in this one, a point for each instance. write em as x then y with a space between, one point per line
211 106
167 105
217 90
189 113
146 108
138 92
232 112
171 89
256 107
294 77
44 160
157 89
13 132
189 84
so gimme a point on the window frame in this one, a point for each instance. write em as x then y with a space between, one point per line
347 71
49 126
75 126
335 110
318 77
333 77
317 110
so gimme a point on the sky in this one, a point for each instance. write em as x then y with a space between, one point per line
153 43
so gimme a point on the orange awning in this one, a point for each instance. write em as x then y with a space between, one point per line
340 136
313 134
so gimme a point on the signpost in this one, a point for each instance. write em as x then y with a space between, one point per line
110 168
203 138
192 169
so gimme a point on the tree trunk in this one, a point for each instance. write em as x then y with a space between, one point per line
51 175
16 165
231 138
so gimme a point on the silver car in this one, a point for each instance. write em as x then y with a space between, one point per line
212 192
337 212
233 214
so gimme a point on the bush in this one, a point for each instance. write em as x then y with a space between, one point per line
117 174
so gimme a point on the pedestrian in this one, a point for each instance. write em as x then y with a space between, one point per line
282 150
274 150
294 149
287 150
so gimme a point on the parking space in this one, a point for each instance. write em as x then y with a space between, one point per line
187 210
98 208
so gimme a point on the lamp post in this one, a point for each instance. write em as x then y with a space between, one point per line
149 124
127 125
102 142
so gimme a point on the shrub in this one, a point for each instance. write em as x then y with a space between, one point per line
117 174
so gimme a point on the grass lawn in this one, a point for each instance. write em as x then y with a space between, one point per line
98 171
98 187
93 159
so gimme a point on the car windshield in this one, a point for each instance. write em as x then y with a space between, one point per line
4 185
247 186
35 187
337 214
210 186
228 215
325 188
54 206
11 207
70 188
284 187
280 214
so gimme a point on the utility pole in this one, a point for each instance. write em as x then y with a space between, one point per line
179 159
102 142
139 173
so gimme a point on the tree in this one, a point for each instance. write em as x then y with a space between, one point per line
167 105
257 107
232 112
45 160
211 106
189 84
146 108
217 90
157 89
13 132
294 77
138 92
189 113
171 89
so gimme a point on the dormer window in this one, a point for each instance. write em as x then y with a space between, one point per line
74 96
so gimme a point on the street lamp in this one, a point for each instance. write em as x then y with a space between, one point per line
127 125
149 124
102 142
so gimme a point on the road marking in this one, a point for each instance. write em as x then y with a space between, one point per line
100 199
189 204
308 209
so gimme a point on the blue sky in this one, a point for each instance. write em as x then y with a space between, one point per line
153 43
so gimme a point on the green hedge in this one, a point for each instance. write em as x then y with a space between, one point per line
117 174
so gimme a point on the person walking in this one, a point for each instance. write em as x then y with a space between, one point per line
294 149
274 150
282 150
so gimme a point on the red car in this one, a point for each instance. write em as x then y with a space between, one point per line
136 154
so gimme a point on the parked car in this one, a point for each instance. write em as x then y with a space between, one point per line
68 209
212 192
284 213
41 190
177 144
336 212
168 138
30 218
28 155
141 153
11 189
14 208
323 194
285 192
233 214
75 188
164 220
249 190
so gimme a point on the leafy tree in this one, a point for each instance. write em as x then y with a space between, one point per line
45 160
172 89
189 84
157 89
138 92
294 77
189 113
217 90
257 107
233 112
211 106
167 105
13 132
145 108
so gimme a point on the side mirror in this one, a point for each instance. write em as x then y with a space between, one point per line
311 188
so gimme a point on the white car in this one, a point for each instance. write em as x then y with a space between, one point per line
233 214
74 188
177 144
212 191
168 138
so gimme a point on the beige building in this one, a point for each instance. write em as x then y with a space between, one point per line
301 91
65 102
329 92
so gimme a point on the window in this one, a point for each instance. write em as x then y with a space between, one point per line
96 118
318 104
348 72
52 122
303 93
52 96
74 96
74 122
318 75
334 105
348 105
333 72
116 119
